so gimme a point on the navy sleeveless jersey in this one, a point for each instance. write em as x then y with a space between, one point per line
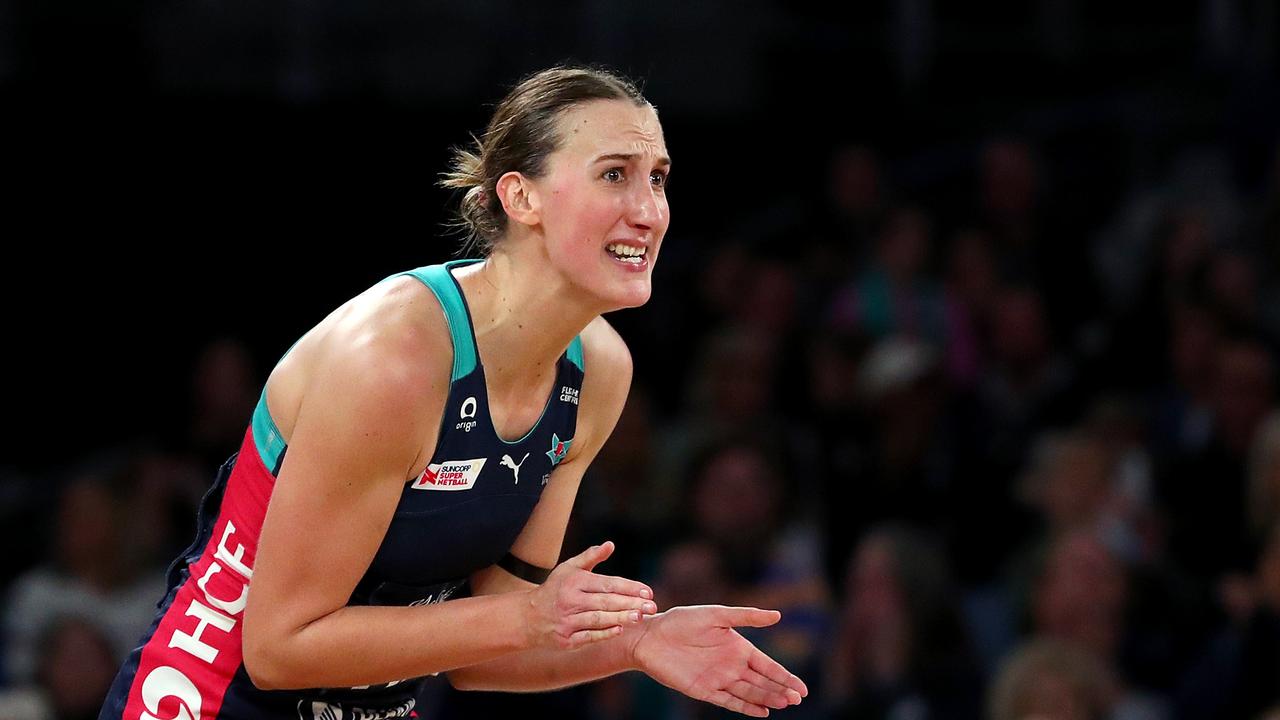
460 515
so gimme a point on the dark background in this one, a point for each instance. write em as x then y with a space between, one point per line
181 173
164 154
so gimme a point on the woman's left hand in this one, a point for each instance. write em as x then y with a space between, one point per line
695 650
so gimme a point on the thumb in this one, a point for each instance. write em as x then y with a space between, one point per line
749 617
592 556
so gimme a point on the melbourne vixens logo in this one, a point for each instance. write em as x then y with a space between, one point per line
558 449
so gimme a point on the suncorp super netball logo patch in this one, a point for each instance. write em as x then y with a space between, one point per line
452 475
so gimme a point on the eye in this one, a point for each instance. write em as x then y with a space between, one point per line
613 174
658 178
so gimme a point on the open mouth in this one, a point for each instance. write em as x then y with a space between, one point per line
630 254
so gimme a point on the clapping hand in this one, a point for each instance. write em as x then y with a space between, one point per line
575 606
695 650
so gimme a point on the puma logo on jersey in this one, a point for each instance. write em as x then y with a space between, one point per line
515 467
452 475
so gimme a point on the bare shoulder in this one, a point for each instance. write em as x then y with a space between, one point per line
383 359
607 380
397 326
604 349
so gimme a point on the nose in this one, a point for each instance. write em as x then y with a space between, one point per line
646 209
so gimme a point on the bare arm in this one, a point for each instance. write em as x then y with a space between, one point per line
357 435
375 390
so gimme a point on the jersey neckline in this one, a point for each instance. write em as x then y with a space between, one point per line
484 383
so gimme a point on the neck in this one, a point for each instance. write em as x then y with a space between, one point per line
524 315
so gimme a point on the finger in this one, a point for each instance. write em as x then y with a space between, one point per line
771 669
599 619
592 556
792 696
725 700
586 637
749 617
750 693
619 585
614 603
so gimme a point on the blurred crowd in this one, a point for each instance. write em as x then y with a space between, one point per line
989 461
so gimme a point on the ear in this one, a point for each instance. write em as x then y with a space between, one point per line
520 199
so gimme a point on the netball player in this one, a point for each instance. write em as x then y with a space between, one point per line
407 477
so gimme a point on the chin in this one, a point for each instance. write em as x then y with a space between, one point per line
629 296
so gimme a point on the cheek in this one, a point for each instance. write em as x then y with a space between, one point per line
577 218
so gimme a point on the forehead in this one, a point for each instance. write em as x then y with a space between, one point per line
611 126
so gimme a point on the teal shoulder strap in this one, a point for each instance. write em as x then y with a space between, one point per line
575 352
266 436
438 279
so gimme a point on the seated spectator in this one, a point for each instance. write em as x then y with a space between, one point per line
899 650
1264 477
743 547
1082 595
1236 677
96 574
1051 680
75 665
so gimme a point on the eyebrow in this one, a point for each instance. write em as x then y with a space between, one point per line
628 157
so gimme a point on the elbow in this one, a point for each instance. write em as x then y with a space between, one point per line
457 679
461 679
264 666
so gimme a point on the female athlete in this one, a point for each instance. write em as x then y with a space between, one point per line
410 469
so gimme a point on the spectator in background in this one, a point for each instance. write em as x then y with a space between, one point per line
1028 386
1036 244
1116 423
972 284
849 217
907 474
900 650
1082 595
616 497
1268 233
1238 675
745 543
856 194
889 458
1233 290
1204 491
1051 680
1182 407
732 393
1071 484
1009 194
97 573
1154 316
1264 477
895 294
224 390
75 663
75 669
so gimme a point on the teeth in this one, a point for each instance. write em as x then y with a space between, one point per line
626 250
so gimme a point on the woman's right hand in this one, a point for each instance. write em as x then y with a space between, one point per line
575 606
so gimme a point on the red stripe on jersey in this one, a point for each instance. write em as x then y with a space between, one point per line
193 655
